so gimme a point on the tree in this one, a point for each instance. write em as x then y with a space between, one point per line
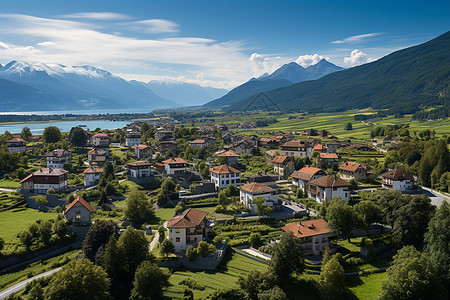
299 193
412 222
255 240
204 249
166 247
138 209
26 238
275 293
36 292
51 134
390 202
191 253
348 126
45 231
79 279
367 213
149 282
224 200
255 283
261 209
145 127
340 217
332 279
41 199
26 133
103 199
287 257
437 246
98 234
134 248
60 228
409 277
2 244
162 233
77 137
179 208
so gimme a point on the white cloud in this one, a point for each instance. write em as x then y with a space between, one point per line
356 38
357 57
46 44
97 16
262 64
154 26
308 60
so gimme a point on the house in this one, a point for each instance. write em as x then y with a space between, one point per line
16 145
163 135
142 151
97 156
326 187
92 176
167 146
79 212
301 177
314 234
139 169
101 141
283 165
230 156
397 179
227 138
57 158
356 171
364 148
271 154
297 148
45 179
332 147
267 179
320 148
133 139
224 175
244 148
188 229
329 157
199 143
175 166
249 192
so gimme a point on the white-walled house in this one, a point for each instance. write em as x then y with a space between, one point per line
139 169
92 176
297 148
224 175
187 229
301 177
45 179
230 156
175 166
133 139
57 158
351 170
314 234
397 179
16 145
79 212
326 187
142 151
250 191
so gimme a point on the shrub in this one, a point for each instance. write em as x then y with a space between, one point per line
192 284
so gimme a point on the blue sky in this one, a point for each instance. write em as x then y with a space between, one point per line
215 43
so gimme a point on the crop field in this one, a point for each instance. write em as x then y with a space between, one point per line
9 184
223 278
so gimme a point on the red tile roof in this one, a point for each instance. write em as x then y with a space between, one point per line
280 159
141 147
224 169
93 170
174 160
296 143
139 163
58 153
256 188
46 172
352 166
16 140
329 181
191 217
328 156
100 135
228 153
82 201
306 173
198 141
318 147
397 174
307 228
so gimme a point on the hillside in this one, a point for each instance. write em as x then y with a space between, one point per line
401 82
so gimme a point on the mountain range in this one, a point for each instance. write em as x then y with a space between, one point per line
286 75
402 81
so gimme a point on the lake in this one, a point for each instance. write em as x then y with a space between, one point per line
37 129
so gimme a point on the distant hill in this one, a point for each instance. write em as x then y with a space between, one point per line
75 88
401 82
188 94
283 76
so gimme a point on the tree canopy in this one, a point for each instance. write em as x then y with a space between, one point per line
51 134
287 257
340 217
149 281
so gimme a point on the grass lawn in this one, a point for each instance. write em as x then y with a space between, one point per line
36 268
213 215
15 220
165 214
223 278
9 184
367 286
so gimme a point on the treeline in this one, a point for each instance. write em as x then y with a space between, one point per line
44 118
433 114
362 117
390 131
265 122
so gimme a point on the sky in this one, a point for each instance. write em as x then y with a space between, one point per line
212 43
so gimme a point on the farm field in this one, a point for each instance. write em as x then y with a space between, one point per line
223 278
9 184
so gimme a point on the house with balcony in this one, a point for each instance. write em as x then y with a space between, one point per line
249 192
79 212
163 135
354 171
330 158
175 166
167 146
224 175
188 229
45 179
199 143
301 177
139 169
397 179
326 187
244 147
230 156
101 141
16 145
283 165
92 176
133 139
299 148
142 151
58 158
314 234
97 156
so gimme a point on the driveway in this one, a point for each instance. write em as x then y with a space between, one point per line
436 197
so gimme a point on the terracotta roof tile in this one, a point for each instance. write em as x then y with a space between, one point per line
280 159
397 174
306 173
328 156
329 181
307 228
228 153
93 170
191 217
352 166
141 147
256 188
82 201
174 160
224 169
139 163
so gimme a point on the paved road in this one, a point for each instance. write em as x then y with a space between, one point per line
8 190
436 197
19 286
156 238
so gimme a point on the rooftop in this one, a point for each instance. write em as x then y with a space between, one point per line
174 160
397 174
80 200
224 169
307 228
191 217
256 188
228 153
352 166
329 181
306 173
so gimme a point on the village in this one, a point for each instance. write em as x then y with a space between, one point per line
202 196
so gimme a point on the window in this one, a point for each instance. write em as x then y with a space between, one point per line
345 194
177 230
177 240
317 247
228 182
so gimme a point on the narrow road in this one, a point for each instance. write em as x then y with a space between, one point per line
19 286
8 190
436 197
156 238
